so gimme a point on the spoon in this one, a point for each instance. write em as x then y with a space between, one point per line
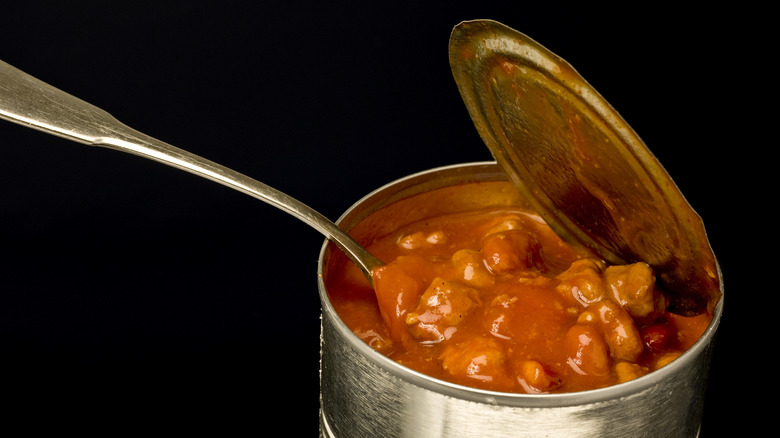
30 102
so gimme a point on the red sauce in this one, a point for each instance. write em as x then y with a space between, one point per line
493 299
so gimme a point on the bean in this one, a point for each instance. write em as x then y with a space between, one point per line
587 352
658 337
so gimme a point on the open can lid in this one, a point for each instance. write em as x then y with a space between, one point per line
579 163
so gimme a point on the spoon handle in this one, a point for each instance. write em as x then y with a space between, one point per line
30 102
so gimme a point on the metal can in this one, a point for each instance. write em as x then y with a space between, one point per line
365 394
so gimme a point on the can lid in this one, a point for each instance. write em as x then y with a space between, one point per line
579 163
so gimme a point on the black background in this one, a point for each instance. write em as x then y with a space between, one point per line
138 297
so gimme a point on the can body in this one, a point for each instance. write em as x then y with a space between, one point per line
364 394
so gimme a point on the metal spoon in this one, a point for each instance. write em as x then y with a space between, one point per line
32 103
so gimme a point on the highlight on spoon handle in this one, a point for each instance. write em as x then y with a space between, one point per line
35 104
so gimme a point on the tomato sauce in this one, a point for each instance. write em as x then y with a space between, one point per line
493 299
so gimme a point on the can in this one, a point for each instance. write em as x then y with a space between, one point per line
364 394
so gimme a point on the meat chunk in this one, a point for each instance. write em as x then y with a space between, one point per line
584 281
619 331
471 268
534 377
478 358
633 287
441 308
512 250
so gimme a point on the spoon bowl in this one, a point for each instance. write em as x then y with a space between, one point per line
30 102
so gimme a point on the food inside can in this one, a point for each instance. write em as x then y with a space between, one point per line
493 299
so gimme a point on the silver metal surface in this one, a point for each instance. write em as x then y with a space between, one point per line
365 394
32 103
